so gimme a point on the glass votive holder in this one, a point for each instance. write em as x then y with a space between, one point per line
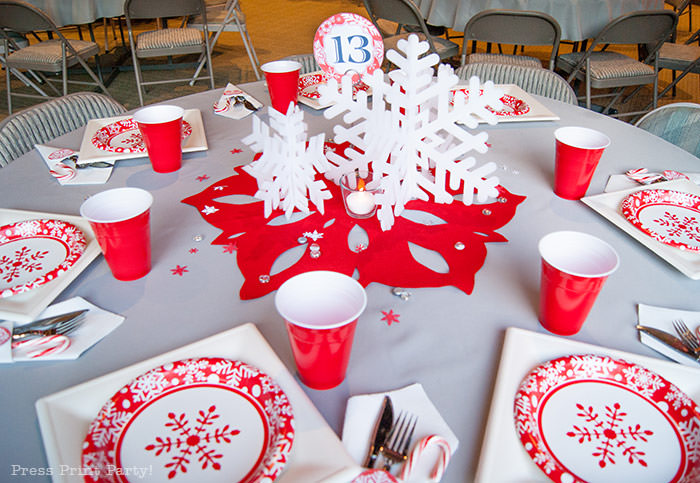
359 194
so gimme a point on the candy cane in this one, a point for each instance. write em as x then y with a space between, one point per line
418 450
642 176
222 105
47 345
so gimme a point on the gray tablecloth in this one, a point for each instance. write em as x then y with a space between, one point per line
446 340
579 19
78 12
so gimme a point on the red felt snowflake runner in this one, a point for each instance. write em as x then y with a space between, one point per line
459 236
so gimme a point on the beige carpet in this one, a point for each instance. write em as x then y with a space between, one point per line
279 28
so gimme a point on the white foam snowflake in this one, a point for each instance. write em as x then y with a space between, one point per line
286 170
411 132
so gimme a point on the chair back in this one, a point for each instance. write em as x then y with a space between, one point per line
307 61
677 123
403 12
534 80
649 27
518 27
144 9
43 122
23 17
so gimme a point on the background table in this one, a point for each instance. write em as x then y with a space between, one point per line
448 341
79 12
579 19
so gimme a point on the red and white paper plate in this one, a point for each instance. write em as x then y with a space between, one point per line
374 476
671 217
205 419
348 42
34 252
124 137
309 84
512 106
595 418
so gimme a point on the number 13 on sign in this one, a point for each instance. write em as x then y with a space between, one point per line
348 42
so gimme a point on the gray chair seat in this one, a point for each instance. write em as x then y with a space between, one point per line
677 56
611 65
158 43
534 80
523 60
47 55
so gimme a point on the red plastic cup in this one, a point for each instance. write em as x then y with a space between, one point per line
161 128
282 77
578 150
574 268
320 310
120 219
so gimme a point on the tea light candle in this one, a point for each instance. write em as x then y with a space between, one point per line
360 202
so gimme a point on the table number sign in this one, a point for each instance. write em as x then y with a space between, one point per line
347 42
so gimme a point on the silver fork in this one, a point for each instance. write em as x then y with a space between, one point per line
64 327
686 335
399 439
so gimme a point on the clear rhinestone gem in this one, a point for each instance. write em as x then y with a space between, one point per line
198 238
315 250
502 199
301 240
264 278
459 246
486 212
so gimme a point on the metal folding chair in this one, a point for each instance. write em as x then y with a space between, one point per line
513 27
168 41
55 55
602 69
225 18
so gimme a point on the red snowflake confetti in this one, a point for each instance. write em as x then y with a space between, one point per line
236 151
178 270
204 177
231 247
390 317
387 258
194 250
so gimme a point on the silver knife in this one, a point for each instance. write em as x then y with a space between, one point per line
668 340
47 322
381 429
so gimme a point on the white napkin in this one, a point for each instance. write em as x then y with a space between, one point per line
619 182
363 411
96 325
66 173
662 318
225 106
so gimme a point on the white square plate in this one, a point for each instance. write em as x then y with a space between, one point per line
537 111
503 458
26 306
64 417
608 205
196 141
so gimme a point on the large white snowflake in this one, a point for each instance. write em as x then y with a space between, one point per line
286 170
411 132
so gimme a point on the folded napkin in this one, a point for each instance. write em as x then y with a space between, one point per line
226 105
62 166
662 318
96 325
363 411
619 182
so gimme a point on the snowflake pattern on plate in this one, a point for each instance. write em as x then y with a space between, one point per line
309 84
207 418
512 106
594 418
671 217
34 252
124 137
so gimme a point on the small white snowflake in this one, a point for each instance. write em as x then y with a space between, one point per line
314 235
208 210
